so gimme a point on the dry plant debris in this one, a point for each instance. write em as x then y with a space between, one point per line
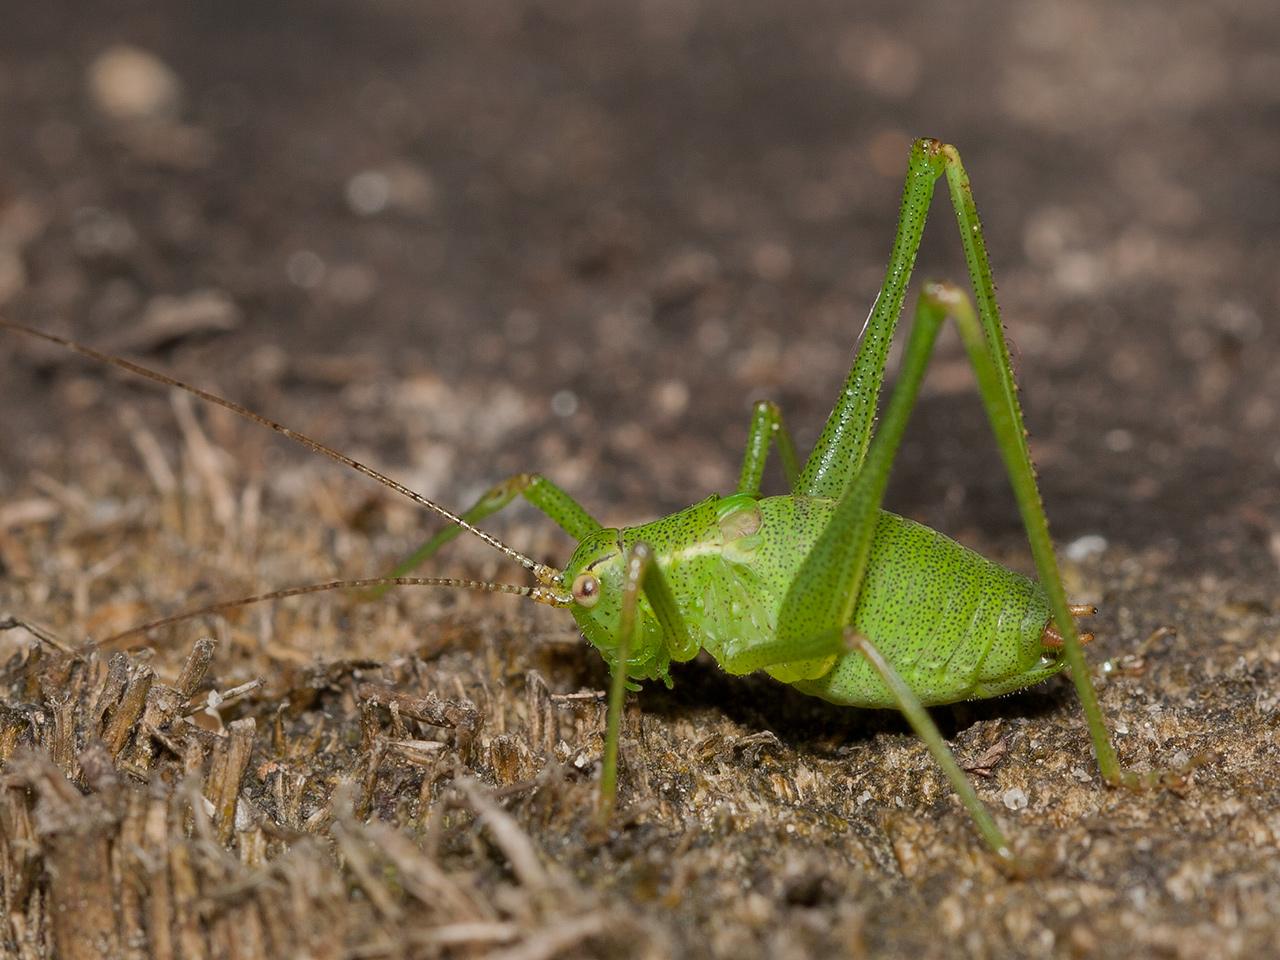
416 777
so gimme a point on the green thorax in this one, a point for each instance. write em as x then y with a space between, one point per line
954 624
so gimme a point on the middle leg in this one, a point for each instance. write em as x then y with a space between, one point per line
766 428
541 493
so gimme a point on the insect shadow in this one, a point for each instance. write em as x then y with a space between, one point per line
811 726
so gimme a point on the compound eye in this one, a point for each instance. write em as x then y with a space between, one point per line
586 590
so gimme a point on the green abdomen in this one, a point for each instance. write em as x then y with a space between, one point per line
955 625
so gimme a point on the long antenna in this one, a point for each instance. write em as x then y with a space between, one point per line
538 594
541 571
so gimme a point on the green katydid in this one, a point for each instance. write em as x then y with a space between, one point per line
820 587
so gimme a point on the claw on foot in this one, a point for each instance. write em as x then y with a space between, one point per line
1176 779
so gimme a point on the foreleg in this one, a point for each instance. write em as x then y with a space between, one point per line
641 575
535 488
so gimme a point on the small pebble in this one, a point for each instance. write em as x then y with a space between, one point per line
771 261
671 397
1085 547
1015 798
368 192
1118 441
128 83
685 276
400 186
564 403
197 312
305 269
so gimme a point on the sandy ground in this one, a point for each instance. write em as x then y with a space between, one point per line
462 240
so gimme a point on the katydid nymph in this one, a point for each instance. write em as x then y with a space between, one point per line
819 587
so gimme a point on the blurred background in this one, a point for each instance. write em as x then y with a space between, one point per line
613 225
463 239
